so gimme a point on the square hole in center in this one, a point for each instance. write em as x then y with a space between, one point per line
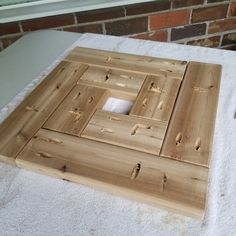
118 105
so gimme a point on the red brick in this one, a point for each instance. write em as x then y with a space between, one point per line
100 15
154 36
147 7
209 13
8 41
48 22
186 3
230 47
9 28
169 19
127 27
229 39
96 28
206 42
222 25
232 9
188 31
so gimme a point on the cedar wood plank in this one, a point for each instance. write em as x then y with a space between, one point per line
30 115
190 133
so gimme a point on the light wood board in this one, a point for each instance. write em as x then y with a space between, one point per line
31 114
189 137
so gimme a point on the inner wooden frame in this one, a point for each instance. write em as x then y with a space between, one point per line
158 153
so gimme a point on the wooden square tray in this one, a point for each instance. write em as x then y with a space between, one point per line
158 153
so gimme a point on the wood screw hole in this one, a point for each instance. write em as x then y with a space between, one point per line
134 130
108 59
144 103
198 144
55 141
160 105
77 115
44 155
178 139
107 130
135 171
91 99
114 118
152 85
76 96
108 74
136 127
164 182
154 88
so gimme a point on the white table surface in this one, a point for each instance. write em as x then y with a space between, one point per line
27 57
33 204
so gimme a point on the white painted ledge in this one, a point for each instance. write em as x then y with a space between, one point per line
48 8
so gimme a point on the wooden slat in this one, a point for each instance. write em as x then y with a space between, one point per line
190 133
156 98
132 132
117 92
138 64
159 181
30 115
75 111
114 79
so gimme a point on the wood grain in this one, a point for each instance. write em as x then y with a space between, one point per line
76 110
30 115
132 132
159 181
190 133
159 153
126 62
156 98
113 79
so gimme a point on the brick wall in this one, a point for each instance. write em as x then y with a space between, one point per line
209 23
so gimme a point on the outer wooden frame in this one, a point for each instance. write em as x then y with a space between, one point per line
173 176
